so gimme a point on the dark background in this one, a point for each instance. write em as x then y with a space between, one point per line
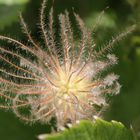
125 107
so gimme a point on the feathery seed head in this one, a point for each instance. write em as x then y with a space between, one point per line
49 83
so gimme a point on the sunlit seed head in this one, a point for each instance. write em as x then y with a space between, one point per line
65 83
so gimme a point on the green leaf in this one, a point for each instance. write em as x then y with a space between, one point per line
98 130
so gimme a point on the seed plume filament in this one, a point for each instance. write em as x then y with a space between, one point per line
18 91
21 85
25 103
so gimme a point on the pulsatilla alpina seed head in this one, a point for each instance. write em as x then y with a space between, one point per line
62 80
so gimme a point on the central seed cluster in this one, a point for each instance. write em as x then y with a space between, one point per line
72 79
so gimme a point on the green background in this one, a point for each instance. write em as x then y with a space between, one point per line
125 107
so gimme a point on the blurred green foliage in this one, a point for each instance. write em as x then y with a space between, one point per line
121 13
9 11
